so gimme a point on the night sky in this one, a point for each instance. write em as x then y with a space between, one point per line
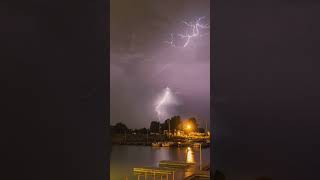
142 65
266 92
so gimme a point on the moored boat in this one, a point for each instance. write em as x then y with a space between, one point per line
197 145
156 144
167 144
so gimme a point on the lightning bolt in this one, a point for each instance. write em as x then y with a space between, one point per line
195 30
171 42
163 100
192 32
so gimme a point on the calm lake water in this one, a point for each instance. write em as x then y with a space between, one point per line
125 158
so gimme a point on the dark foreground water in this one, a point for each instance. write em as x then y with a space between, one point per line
125 158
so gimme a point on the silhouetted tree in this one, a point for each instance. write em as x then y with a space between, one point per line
164 125
175 121
120 128
194 122
142 131
155 127
201 130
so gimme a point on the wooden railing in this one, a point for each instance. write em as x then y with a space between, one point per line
154 172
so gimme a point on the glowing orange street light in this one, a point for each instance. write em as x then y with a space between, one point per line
188 127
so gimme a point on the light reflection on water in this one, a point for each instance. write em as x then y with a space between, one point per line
125 158
190 155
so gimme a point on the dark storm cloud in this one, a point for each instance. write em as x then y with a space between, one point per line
142 65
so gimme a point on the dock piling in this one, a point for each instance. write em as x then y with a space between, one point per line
200 157
172 175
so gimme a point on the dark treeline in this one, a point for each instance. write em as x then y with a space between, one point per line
176 123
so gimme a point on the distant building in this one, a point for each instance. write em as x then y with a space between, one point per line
166 132
152 133
178 133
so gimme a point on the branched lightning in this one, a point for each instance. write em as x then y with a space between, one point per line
192 32
164 99
195 30
171 41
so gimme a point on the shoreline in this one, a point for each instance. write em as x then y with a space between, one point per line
173 144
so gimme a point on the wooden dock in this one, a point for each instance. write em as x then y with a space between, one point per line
154 172
168 169
176 164
203 175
